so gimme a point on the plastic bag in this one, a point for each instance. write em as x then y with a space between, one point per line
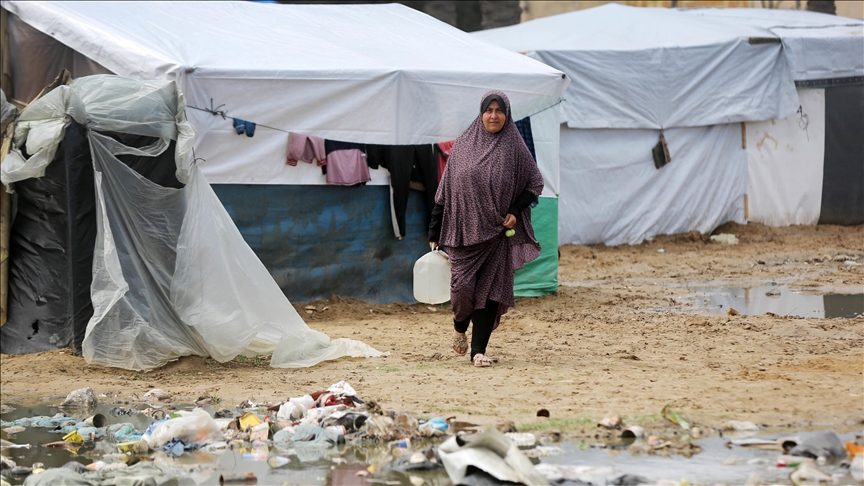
195 427
295 408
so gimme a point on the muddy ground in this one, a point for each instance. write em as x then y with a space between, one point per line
620 335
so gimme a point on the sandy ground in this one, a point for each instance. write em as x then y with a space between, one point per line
618 336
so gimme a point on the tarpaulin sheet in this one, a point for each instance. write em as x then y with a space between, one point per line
540 276
51 253
817 45
785 164
320 241
383 74
323 241
636 67
172 276
612 193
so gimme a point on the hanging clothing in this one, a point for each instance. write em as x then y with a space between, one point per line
524 127
305 148
443 150
406 163
487 176
244 126
346 163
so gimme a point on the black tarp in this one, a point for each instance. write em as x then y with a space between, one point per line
843 173
51 253
51 244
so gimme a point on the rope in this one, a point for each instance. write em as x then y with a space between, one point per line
217 111
224 114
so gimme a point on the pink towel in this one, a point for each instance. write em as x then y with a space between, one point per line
305 148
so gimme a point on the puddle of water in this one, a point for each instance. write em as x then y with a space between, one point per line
778 300
339 465
716 463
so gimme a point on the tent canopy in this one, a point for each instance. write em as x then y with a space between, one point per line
357 73
383 74
817 45
657 68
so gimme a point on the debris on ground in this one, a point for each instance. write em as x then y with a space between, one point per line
80 398
725 239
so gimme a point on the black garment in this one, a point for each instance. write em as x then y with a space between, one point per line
524 127
527 198
484 321
435 222
406 163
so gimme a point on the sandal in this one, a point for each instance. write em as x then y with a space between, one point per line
481 361
460 344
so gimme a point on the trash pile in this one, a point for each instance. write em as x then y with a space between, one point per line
397 447
308 426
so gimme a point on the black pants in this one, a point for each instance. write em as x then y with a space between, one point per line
484 320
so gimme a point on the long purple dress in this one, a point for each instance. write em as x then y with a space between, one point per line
485 174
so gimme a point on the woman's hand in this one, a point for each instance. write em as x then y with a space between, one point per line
509 221
433 245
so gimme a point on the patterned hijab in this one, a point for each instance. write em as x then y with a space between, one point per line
485 174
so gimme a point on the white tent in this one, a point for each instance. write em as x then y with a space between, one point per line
383 74
789 160
371 74
635 71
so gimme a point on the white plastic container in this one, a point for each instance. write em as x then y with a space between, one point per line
432 278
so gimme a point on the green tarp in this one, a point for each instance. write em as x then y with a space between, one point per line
540 277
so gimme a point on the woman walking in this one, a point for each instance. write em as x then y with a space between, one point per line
482 220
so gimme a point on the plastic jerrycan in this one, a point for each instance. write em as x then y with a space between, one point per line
432 278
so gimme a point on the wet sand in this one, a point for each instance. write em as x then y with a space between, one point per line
622 334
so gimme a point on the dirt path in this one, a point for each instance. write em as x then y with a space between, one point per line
620 335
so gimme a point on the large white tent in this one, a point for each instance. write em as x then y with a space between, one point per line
383 74
368 74
795 175
636 71
371 74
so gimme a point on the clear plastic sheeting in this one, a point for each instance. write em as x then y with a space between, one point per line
39 130
172 276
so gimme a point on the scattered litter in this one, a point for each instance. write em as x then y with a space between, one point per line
807 474
824 444
611 421
247 478
543 451
673 417
157 394
80 398
781 444
522 439
739 426
633 432
490 454
725 239
559 473
773 293
278 461
732 312
14 429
